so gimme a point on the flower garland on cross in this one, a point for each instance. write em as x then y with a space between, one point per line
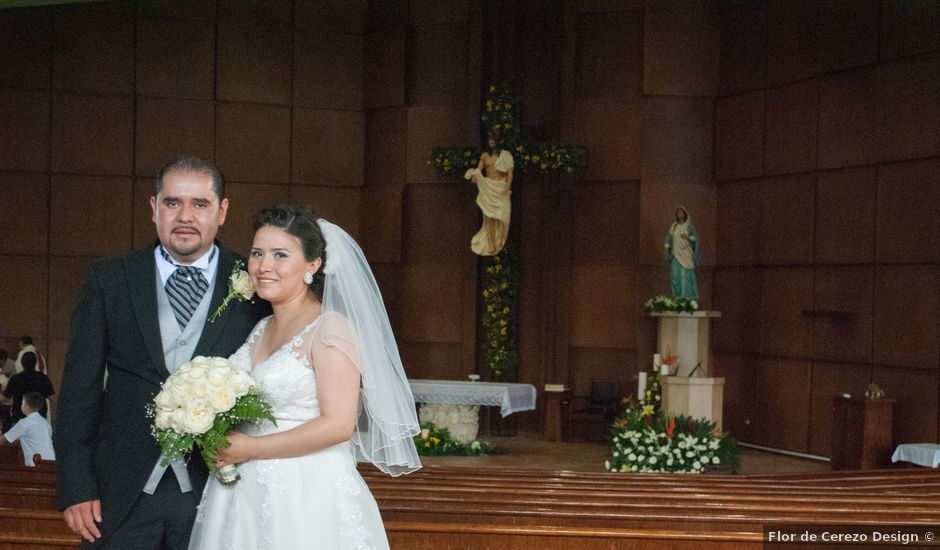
505 153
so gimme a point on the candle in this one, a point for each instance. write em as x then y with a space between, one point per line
641 386
657 360
664 369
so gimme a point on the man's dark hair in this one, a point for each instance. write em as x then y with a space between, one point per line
191 164
3 354
29 361
34 399
26 340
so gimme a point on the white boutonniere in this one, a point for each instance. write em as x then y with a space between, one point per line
240 287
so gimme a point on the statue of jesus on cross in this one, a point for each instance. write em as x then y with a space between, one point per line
493 178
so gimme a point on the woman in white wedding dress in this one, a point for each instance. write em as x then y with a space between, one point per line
326 361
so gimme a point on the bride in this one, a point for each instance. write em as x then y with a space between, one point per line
327 363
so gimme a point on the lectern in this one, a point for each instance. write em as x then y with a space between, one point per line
861 433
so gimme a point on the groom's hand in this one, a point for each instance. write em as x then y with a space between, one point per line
83 519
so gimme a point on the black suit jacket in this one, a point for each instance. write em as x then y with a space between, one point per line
103 443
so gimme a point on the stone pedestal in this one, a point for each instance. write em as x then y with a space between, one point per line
698 397
686 335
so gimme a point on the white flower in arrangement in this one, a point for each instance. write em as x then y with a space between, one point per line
198 418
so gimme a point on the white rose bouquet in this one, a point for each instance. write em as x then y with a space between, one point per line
199 404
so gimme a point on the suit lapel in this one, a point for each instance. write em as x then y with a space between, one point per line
212 330
142 278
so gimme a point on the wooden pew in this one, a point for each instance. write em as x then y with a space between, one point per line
468 509
440 507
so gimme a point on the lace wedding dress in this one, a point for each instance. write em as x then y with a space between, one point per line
314 501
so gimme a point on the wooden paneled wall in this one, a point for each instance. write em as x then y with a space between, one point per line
607 76
827 158
95 97
802 139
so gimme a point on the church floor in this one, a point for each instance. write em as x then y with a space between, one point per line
530 452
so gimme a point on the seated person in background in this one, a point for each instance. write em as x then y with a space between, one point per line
7 368
33 432
7 365
28 380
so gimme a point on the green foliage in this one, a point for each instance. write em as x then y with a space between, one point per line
449 160
665 303
435 441
547 157
499 283
501 116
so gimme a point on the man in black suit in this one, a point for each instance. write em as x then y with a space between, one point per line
139 318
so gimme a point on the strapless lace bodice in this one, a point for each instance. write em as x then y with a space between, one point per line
285 378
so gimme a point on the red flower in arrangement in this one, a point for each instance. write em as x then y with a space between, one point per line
648 419
669 359
671 428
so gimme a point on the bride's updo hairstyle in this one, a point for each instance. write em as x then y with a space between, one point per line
302 224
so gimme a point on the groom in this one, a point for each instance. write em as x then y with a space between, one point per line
139 318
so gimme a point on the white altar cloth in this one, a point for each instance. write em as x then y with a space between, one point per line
510 398
923 454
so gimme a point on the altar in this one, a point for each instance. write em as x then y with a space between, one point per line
455 404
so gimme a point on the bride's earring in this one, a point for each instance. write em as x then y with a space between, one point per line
308 277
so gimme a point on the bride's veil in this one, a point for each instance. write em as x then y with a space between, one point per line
387 422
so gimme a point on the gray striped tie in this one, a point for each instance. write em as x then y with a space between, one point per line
185 289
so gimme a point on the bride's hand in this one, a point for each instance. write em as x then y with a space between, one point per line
241 449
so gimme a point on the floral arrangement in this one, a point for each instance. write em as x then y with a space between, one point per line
645 439
435 441
447 161
199 404
665 303
499 301
501 114
240 287
501 117
547 157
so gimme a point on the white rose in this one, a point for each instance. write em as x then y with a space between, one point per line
242 284
221 399
176 420
219 376
200 391
163 399
241 382
180 393
196 372
198 418
163 416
